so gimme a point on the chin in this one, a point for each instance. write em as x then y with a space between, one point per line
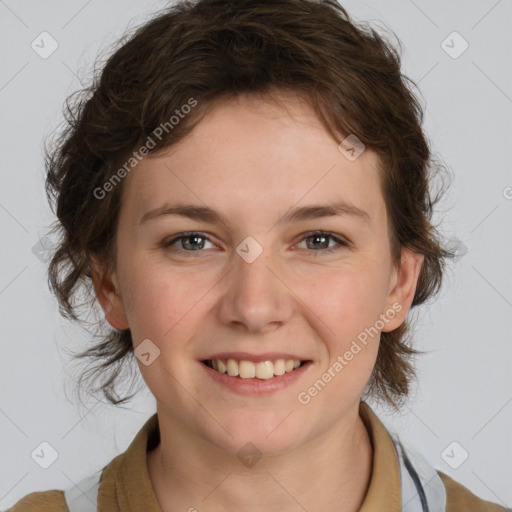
264 436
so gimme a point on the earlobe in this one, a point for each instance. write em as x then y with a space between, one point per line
106 290
401 296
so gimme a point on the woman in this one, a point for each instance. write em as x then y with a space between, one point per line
246 190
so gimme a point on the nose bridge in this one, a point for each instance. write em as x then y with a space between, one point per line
255 296
253 277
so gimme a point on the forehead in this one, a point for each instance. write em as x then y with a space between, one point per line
253 157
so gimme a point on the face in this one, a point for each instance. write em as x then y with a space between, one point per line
259 284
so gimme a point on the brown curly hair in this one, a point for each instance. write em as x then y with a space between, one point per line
211 50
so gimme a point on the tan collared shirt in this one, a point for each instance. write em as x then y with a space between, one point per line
125 485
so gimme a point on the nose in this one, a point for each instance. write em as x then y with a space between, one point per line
255 294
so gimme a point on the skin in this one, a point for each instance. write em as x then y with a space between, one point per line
253 160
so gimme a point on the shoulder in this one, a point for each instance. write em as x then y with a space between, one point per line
41 501
461 499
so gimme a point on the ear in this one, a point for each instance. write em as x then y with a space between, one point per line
107 291
402 288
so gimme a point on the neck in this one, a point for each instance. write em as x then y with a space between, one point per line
331 472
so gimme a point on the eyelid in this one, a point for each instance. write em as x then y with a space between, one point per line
329 234
185 234
341 242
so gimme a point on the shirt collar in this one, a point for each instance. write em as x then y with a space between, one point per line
128 479
384 491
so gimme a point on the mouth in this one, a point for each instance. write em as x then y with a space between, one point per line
263 370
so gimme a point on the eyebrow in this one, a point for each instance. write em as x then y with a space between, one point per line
211 216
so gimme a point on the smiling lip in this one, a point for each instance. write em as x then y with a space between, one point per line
256 387
245 356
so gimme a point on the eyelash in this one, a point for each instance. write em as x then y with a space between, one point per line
341 243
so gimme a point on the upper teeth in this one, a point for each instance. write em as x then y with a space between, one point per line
249 370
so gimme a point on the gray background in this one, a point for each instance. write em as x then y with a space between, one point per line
464 392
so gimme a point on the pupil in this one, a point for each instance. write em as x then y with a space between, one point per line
193 237
319 236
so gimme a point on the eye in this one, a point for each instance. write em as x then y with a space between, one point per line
321 241
193 241
190 241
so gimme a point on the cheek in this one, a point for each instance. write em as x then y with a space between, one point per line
348 299
165 308
349 302
159 300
